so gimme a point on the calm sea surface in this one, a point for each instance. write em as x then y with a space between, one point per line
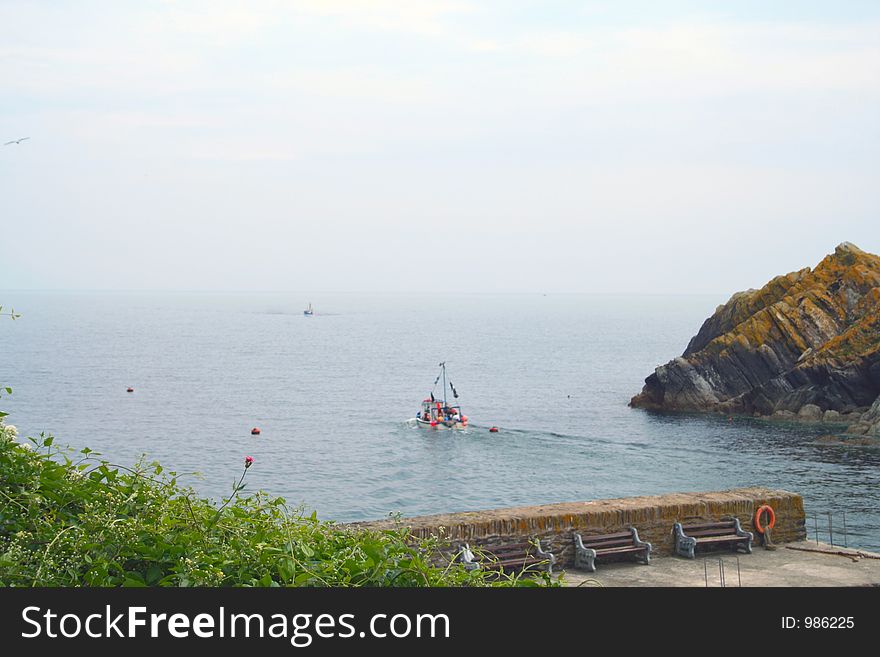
332 395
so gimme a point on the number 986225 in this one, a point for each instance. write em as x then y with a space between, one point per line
829 622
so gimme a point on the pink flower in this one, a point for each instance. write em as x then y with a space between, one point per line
248 461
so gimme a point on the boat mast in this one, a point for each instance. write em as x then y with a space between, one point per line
443 368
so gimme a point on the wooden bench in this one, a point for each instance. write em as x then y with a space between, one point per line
509 557
588 548
719 533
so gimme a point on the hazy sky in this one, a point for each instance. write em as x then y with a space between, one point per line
497 145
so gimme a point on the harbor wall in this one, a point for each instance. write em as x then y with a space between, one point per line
653 516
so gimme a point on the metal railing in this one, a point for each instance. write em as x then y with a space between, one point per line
722 575
828 516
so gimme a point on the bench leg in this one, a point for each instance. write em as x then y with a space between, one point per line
549 557
642 544
748 536
585 559
684 546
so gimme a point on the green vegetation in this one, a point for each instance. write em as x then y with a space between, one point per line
81 521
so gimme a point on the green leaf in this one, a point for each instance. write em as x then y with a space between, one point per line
286 568
374 550
154 573
133 580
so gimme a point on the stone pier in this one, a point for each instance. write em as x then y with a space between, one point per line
653 516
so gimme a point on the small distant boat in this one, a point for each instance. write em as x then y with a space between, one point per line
308 312
438 414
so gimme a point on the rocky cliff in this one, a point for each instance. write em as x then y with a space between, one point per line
806 344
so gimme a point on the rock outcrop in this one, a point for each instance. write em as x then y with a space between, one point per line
868 423
805 346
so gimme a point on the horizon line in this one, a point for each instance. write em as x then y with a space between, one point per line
363 292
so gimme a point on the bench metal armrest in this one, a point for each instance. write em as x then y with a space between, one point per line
467 558
547 556
741 532
637 541
684 545
642 544
584 557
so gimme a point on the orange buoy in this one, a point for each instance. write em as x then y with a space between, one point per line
129 390
493 429
772 518
255 431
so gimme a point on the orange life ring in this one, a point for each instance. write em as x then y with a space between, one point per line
772 522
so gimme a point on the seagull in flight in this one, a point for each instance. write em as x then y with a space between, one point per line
16 141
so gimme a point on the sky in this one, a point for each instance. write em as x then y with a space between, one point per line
400 145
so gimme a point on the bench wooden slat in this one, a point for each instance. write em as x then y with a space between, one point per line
708 532
605 537
508 555
620 550
512 557
596 545
709 525
600 541
510 562
517 547
722 539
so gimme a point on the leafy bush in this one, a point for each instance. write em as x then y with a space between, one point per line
76 520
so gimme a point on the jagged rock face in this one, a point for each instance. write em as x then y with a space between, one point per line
807 339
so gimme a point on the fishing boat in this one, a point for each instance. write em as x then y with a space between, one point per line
308 312
438 414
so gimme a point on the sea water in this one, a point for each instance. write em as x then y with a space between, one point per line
332 395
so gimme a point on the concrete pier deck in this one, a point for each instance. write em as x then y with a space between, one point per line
791 565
